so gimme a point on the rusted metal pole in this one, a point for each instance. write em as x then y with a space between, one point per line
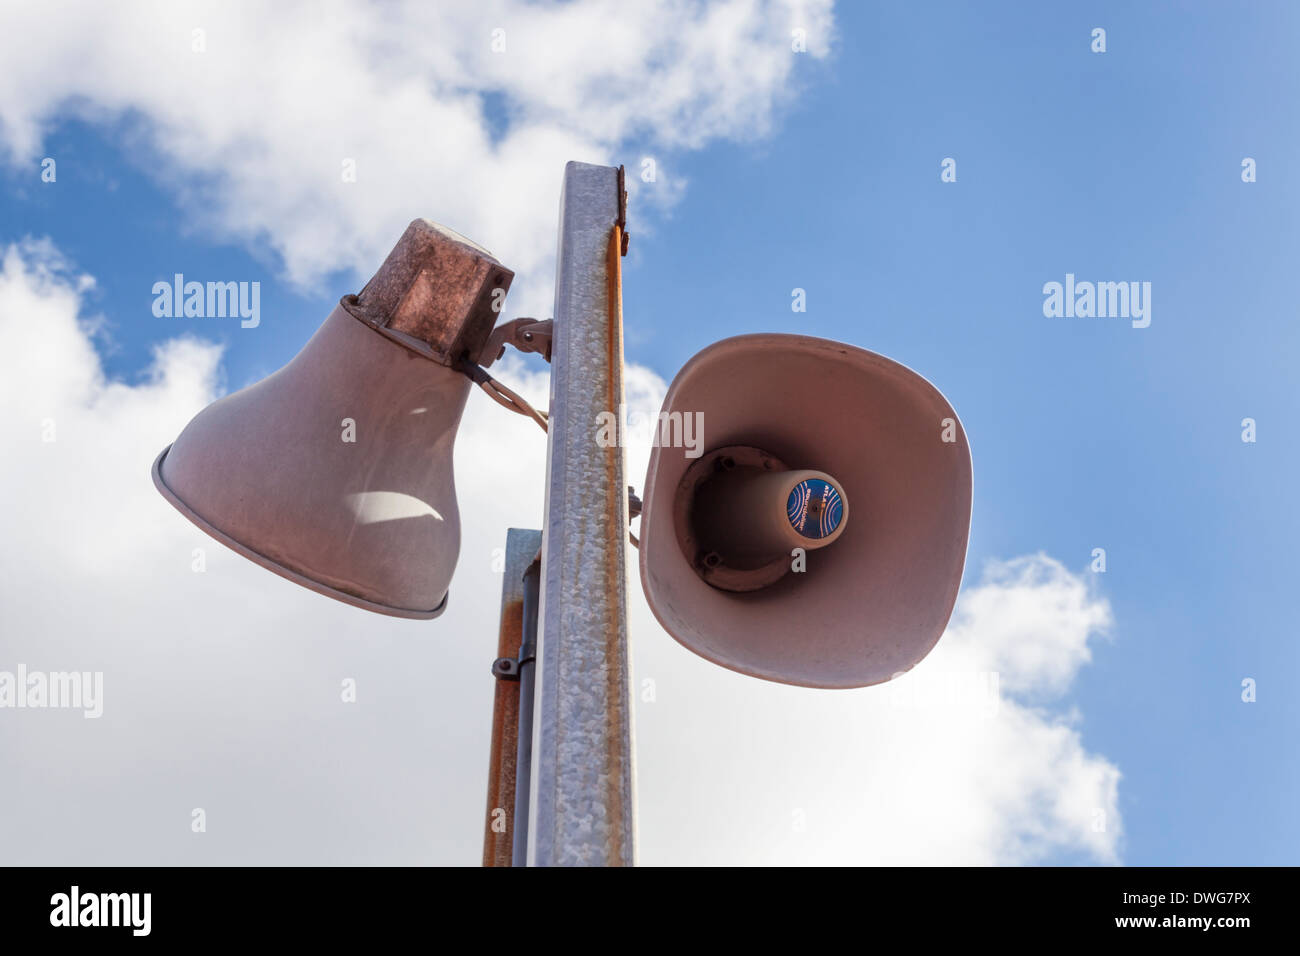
583 776
499 826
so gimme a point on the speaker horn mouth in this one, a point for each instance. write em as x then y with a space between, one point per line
271 565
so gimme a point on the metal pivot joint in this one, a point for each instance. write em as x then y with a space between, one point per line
525 334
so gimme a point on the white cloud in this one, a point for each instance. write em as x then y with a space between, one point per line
955 762
222 688
1033 620
252 133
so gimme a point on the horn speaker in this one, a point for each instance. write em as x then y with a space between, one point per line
336 471
818 535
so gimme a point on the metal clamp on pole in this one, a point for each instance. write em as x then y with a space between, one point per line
508 668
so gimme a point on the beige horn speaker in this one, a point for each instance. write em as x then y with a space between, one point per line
813 530
336 471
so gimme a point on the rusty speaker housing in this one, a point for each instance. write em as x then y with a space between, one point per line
369 518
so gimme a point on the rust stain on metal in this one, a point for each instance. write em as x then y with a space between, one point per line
617 678
438 287
497 846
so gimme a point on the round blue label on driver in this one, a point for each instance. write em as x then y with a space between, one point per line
815 508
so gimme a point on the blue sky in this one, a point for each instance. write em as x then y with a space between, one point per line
1085 432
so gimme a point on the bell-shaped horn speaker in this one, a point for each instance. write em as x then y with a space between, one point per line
336 471
806 511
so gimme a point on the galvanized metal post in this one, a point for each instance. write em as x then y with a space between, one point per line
583 777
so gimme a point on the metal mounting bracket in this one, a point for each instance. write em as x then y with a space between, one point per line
525 334
507 668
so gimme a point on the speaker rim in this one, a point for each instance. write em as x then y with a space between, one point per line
283 571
